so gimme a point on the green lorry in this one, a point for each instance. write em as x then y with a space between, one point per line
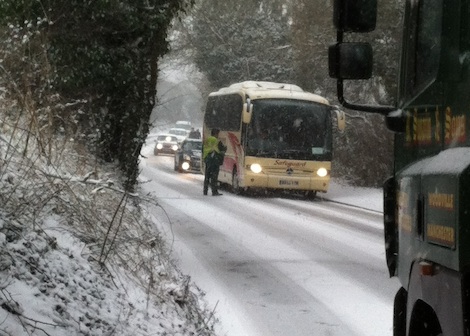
427 200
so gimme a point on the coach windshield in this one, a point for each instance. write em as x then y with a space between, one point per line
290 129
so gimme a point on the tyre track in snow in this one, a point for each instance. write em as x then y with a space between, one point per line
253 289
307 265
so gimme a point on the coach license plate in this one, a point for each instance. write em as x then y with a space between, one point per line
288 183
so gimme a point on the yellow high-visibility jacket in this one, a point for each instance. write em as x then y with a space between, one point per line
209 146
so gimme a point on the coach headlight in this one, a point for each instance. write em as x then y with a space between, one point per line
256 168
322 172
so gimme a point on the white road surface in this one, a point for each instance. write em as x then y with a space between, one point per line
276 266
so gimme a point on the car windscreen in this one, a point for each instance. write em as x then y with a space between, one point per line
193 145
167 138
185 126
178 132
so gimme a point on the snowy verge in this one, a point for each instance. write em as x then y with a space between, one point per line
79 255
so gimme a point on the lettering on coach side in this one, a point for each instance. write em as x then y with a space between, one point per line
441 201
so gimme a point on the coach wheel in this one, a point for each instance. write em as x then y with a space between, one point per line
311 194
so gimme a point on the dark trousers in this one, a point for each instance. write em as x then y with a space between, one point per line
211 175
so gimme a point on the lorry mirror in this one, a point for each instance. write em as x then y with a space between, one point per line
348 60
358 16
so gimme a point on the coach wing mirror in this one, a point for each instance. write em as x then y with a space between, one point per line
340 117
247 111
358 16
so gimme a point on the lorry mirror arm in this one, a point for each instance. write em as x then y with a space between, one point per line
381 109
339 61
335 59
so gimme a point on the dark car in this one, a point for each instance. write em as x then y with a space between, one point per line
166 143
188 156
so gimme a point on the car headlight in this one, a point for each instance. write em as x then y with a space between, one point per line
174 147
322 172
159 146
256 168
185 165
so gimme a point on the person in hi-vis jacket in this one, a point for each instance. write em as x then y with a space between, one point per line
213 155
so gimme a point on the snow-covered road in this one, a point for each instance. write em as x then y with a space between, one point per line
276 266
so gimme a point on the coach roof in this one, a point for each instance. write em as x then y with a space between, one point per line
263 90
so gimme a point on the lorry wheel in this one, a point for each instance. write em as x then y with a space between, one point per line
399 312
